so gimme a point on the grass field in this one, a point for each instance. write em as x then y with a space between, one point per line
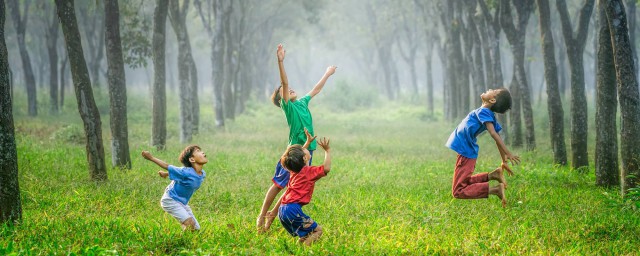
389 191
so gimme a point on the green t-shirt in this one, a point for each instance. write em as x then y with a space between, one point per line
298 117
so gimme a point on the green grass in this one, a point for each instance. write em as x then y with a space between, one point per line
389 191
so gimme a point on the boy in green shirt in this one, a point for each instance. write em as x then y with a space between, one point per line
299 119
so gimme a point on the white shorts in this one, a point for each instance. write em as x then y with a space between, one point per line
178 210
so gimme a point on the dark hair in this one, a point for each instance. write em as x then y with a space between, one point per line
293 158
503 101
276 97
186 154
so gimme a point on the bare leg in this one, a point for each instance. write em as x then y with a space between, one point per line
268 200
271 215
499 191
498 175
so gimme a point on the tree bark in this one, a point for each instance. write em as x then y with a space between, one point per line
176 16
554 101
63 80
20 23
159 102
519 84
84 94
628 95
120 157
52 49
10 205
575 43
606 155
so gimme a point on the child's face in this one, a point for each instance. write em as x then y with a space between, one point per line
292 94
307 156
489 96
199 157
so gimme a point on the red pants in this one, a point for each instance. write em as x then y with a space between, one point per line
465 184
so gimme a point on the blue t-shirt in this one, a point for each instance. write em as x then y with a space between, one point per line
184 181
463 138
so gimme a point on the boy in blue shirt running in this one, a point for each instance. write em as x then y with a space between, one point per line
463 141
184 182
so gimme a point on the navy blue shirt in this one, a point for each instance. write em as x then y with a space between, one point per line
184 181
464 138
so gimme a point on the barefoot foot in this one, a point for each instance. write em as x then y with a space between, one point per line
498 174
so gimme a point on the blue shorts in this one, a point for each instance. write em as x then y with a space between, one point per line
295 221
281 177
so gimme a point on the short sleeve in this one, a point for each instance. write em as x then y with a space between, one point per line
317 172
486 115
175 173
305 99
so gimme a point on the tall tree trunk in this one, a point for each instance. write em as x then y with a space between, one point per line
159 102
607 167
10 205
84 94
520 85
177 16
479 82
217 59
20 23
52 49
120 157
575 43
554 101
628 94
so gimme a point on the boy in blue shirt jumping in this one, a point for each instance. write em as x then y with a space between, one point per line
184 182
463 141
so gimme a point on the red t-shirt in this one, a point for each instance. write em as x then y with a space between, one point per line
300 187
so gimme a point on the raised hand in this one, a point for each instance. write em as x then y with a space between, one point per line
331 70
309 137
280 53
324 143
146 155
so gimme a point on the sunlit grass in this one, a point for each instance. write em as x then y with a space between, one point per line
389 192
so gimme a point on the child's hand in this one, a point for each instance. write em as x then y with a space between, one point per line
324 143
309 137
280 53
505 167
146 155
163 174
331 70
513 158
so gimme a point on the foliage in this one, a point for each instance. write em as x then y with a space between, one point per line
389 192
72 134
346 96
135 30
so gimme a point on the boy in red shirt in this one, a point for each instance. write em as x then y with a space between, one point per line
301 183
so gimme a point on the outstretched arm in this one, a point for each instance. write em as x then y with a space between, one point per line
324 143
283 75
151 158
505 154
316 89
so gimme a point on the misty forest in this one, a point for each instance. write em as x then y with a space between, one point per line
99 99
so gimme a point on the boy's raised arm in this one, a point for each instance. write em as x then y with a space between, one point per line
151 158
324 143
318 87
283 75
